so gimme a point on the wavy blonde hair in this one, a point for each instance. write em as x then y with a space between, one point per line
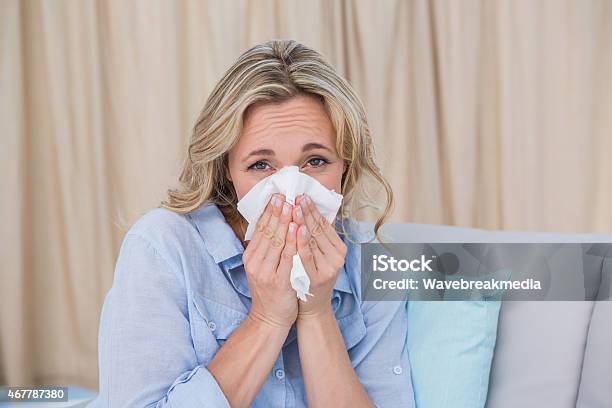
274 72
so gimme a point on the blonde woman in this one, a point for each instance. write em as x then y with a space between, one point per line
198 318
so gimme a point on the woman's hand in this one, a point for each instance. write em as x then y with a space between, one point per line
268 259
322 253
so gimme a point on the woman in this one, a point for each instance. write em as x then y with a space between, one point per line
197 317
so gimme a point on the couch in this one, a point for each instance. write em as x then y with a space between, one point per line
547 354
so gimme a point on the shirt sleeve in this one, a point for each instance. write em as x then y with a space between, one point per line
381 358
146 353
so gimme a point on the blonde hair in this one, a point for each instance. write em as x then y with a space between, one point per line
274 72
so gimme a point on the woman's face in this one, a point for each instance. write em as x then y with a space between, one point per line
297 132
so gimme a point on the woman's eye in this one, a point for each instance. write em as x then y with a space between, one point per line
260 165
317 162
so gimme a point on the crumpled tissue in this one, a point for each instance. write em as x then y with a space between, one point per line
291 182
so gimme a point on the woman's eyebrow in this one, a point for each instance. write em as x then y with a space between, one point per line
312 146
268 152
259 152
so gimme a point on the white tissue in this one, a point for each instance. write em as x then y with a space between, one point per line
292 183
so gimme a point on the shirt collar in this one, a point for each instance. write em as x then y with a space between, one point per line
219 238
226 248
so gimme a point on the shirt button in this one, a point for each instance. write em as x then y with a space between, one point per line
212 326
280 374
397 370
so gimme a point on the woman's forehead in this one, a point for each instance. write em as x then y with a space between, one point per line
302 117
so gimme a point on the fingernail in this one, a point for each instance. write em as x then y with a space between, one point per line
298 212
286 209
304 231
307 200
276 201
291 228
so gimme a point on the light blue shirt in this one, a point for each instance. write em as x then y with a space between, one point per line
179 292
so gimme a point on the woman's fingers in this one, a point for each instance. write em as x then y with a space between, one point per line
317 225
289 250
251 252
268 231
256 250
316 241
329 229
307 251
264 219
277 236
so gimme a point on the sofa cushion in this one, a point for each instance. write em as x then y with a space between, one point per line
538 355
596 381
450 347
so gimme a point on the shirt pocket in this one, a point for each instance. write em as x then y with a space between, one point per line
213 322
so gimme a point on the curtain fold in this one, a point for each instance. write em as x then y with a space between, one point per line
488 114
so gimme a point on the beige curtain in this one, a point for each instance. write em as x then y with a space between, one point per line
486 114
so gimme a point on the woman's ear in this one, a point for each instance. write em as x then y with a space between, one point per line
227 172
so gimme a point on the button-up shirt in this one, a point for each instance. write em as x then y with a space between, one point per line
179 292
